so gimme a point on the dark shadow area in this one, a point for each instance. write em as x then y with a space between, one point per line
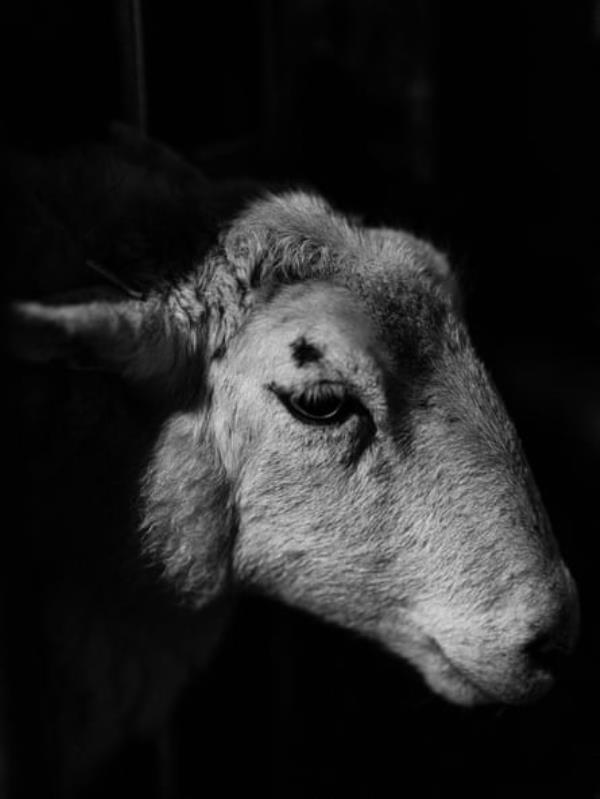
476 128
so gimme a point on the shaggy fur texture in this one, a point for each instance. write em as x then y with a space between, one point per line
410 516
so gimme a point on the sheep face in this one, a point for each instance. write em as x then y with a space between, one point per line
329 437
378 483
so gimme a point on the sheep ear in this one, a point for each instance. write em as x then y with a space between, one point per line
98 329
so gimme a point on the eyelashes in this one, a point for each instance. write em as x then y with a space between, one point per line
321 404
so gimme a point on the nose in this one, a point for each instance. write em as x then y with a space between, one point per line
547 653
550 647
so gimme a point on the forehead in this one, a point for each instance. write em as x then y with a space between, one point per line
323 327
308 327
318 312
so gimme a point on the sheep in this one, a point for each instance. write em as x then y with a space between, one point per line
219 395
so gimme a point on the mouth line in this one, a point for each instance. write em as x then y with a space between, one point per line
512 684
489 696
464 675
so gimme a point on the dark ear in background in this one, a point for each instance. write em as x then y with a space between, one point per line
156 159
127 203
136 214
145 221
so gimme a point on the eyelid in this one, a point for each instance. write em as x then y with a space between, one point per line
313 389
324 387
350 405
331 408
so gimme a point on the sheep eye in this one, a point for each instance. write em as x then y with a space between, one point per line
322 404
323 409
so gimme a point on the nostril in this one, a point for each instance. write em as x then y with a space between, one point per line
550 647
547 653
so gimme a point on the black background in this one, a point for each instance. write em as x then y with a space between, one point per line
476 126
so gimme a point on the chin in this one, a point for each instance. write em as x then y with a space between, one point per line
460 685
477 683
449 681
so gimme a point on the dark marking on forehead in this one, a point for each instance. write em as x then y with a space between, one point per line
304 352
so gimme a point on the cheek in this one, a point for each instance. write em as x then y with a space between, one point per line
315 515
318 547
283 538
309 485
285 485
239 414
